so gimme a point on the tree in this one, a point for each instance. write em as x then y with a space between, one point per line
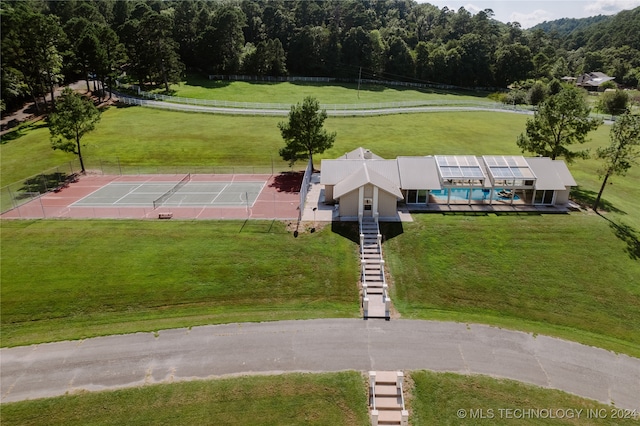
613 103
73 118
561 120
537 93
304 134
623 152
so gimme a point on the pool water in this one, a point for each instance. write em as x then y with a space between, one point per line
462 194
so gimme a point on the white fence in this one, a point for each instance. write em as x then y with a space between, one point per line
280 109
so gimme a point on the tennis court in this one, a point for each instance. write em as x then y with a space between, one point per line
196 196
165 194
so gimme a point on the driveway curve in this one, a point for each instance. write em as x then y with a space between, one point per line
324 345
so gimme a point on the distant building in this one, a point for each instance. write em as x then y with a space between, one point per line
593 80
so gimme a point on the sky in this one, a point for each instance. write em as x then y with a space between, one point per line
532 12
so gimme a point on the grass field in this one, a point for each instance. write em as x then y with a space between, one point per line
309 399
326 93
437 397
561 275
149 137
73 279
292 399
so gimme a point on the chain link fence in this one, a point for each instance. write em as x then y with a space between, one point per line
54 179
18 193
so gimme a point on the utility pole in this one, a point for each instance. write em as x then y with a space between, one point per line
359 78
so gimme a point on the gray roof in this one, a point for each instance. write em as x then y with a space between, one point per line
418 173
363 176
333 171
593 79
551 174
360 154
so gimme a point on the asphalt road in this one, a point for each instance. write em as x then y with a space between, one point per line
114 362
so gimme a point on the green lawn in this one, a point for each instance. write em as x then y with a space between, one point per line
73 279
561 275
310 399
148 137
326 93
292 399
437 398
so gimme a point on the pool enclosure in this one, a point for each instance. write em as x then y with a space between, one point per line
361 183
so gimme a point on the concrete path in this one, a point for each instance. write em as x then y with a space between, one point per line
318 346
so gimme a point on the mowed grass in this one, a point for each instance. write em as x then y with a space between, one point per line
311 399
436 399
74 279
148 137
561 275
292 399
326 93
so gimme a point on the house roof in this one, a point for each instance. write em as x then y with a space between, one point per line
333 171
418 173
363 176
407 173
593 79
551 174
360 153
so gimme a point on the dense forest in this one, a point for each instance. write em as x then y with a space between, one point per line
153 42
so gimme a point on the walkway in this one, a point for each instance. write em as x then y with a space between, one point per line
317 346
375 292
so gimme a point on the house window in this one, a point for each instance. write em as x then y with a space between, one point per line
416 196
543 197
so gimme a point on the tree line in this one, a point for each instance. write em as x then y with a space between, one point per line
45 43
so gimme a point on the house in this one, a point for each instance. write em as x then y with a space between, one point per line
362 183
592 80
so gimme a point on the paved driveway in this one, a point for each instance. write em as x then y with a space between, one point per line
318 346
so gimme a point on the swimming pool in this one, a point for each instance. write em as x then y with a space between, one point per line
477 194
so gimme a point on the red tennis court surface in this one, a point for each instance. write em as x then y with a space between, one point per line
278 199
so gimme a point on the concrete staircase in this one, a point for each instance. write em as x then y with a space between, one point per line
375 296
386 399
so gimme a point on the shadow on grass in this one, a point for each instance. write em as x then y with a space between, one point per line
348 230
198 80
21 130
482 213
586 198
257 226
43 183
351 231
391 230
628 235
518 213
287 182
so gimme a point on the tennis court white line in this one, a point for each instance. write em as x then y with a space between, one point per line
128 193
219 193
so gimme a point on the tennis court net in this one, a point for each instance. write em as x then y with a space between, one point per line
164 197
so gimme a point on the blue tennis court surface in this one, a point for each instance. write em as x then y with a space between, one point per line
191 194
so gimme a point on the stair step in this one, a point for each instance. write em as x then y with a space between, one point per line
386 377
389 417
388 402
387 390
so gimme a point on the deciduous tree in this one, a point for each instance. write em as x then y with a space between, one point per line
304 133
622 153
74 116
561 120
